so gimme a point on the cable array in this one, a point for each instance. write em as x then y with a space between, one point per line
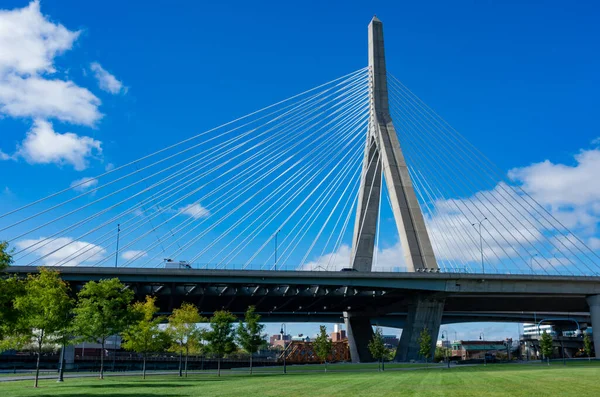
218 199
277 189
478 219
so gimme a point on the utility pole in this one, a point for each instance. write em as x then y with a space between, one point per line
117 251
481 242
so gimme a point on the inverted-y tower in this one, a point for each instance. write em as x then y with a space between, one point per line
383 156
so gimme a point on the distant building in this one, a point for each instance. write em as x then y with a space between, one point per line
338 334
530 329
390 341
280 340
476 349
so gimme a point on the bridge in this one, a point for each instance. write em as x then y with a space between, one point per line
260 206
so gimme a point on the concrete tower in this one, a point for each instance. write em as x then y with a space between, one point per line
383 156
383 153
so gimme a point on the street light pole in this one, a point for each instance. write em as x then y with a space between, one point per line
283 332
445 349
531 262
482 338
481 242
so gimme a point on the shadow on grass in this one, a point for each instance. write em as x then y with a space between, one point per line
109 395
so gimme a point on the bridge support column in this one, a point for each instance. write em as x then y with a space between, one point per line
359 332
423 312
594 303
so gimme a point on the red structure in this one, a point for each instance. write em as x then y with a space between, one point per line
303 353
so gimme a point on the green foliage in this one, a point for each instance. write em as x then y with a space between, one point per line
441 353
546 345
183 332
145 336
103 309
250 333
425 344
221 338
44 308
182 328
10 334
323 346
587 344
6 258
377 346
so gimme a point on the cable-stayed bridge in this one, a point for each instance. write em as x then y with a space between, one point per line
267 209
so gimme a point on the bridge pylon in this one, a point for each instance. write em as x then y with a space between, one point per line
383 158
383 155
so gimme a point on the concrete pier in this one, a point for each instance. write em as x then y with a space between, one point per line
423 312
360 333
594 303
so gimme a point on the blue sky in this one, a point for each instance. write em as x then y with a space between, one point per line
519 80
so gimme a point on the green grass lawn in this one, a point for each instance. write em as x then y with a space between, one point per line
493 380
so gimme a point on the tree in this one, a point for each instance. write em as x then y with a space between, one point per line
144 336
441 354
250 333
587 345
11 334
44 308
103 309
220 338
184 333
323 345
425 344
6 258
546 345
377 347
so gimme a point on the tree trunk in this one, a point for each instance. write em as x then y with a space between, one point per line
325 365
37 365
102 360
219 366
187 353
250 363
382 364
548 359
144 367
180 361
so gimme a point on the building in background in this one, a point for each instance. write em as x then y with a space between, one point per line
477 349
279 340
338 334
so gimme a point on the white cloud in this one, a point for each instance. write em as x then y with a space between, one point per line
67 249
133 254
83 184
106 81
42 98
43 145
29 42
196 211
386 260
571 193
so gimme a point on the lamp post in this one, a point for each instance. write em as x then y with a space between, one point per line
531 262
445 349
283 333
480 242
61 370
482 338
276 233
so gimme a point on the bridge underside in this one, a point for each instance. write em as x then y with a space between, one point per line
384 299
